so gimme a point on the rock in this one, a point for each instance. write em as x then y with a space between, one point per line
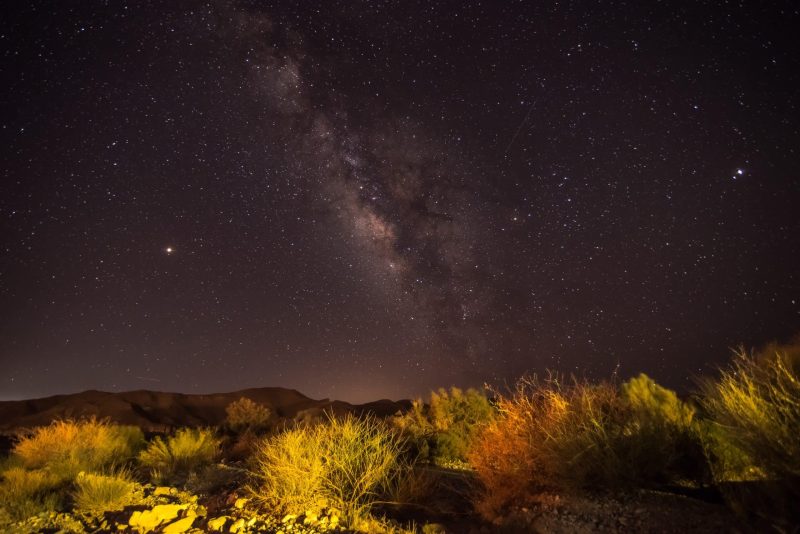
150 519
240 502
179 526
237 526
218 523
163 490
289 518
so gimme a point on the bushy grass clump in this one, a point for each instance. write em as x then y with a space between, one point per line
64 448
244 414
348 464
755 407
752 437
95 493
443 430
569 437
182 453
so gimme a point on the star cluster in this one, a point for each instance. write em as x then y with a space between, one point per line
371 199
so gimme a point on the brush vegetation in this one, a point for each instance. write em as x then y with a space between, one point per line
443 430
752 432
45 463
737 435
556 436
173 459
348 464
96 493
65 447
245 414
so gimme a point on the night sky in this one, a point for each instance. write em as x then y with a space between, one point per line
365 199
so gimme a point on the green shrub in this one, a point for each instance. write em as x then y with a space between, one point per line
555 437
659 440
347 464
181 454
65 448
100 493
444 429
244 414
24 493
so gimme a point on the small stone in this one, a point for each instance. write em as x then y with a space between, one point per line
289 518
163 490
218 523
240 502
149 519
237 526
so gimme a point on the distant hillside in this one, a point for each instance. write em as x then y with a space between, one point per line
156 411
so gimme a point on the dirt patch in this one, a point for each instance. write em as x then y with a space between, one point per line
640 511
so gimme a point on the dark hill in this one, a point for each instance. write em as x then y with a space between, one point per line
156 411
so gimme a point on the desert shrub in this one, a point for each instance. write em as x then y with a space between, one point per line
570 437
180 454
65 448
752 437
347 464
24 493
444 429
96 493
244 414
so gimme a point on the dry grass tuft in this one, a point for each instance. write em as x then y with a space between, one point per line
182 453
96 493
752 437
348 464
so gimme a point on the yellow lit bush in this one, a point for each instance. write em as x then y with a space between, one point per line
752 439
756 405
96 493
65 448
182 453
348 464
244 414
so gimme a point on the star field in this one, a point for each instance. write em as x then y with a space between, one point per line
372 199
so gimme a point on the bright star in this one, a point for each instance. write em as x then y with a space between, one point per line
169 250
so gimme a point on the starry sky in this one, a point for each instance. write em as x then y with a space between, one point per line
368 199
